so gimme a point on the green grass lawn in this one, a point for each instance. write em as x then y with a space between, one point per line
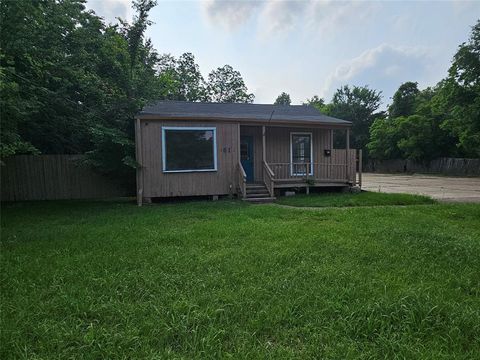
364 198
228 279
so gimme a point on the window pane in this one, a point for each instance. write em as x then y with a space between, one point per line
301 148
189 150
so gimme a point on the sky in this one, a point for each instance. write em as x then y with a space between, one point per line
307 47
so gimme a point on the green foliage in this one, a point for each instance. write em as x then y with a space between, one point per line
226 85
135 32
404 100
440 121
357 104
71 84
384 138
283 99
418 137
459 98
182 78
316 102
109 280
66 77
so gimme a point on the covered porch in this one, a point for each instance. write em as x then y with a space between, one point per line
276 157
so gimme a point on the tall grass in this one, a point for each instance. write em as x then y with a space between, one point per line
226 279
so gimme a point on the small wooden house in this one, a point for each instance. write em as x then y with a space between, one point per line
252 150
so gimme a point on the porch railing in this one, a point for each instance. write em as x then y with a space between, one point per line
314 171
268 178
242 180
337 168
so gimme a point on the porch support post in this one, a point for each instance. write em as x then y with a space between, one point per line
239 141
348 138
347 155
264 147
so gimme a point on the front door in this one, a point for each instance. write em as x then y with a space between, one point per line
246 156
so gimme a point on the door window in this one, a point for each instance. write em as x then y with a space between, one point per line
301 153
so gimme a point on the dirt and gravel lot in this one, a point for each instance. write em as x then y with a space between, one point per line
443 188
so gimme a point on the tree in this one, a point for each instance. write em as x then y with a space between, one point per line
71 84
404 100
283 99
384 137
46 70
358 105
182 77
135 32
459 97
418 137
226 85
315 101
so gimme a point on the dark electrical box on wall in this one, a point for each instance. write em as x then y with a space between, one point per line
327 152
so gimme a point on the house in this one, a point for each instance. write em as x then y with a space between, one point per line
252 150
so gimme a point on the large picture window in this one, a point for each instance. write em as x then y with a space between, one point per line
301 153
188 149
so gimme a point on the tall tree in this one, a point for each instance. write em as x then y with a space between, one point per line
283 99
135 32
418 137
459 97
358 105
226 85
71 84
46 74
404 100
186 80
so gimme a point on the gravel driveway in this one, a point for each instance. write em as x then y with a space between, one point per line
458 189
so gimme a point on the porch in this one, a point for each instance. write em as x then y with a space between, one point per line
277 157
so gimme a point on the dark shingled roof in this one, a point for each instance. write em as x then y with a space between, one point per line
240 112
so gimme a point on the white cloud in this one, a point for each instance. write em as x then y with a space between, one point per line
229 14
384 67
330 16
281 16
111 9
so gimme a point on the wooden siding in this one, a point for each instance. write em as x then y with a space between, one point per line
277 138
335 167
156 183
54 177
278 143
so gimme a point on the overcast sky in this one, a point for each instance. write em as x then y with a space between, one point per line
308 48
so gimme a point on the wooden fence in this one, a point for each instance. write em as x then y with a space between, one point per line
53 177
445 166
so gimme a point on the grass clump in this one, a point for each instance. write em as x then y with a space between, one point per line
364 198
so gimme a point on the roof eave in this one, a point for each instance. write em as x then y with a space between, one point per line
145 116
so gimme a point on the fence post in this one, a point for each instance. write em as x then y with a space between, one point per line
347 156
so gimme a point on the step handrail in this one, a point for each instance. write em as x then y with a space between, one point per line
242 180
268 178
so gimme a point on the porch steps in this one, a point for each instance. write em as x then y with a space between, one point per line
258 193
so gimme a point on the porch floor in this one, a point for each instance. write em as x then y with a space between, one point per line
316 183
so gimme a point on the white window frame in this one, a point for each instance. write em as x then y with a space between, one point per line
185 128
292 173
